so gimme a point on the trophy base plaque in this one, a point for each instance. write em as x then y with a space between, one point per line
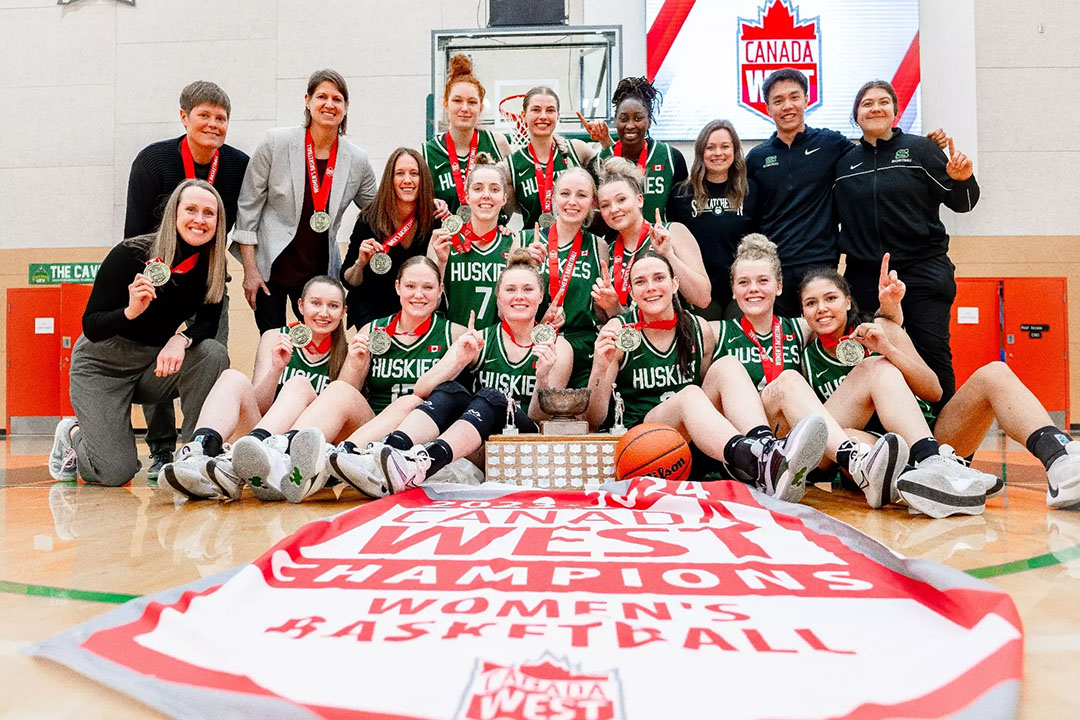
564 427
551 462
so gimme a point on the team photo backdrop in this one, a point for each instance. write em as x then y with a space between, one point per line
709 59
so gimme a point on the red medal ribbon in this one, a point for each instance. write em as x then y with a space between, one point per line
399 234
320 190
829 343
506 329
544 185
455 165
189 162
463 241
772 366
316 348
391 329
642 159
557 285
654 324
622 280
181 267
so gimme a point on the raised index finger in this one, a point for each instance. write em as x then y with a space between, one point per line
604 274
883 280
583 120
952 149
472 319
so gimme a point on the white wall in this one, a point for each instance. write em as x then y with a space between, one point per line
86 86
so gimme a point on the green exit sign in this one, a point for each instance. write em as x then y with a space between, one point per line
55 273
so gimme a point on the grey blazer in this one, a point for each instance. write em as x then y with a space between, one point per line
272 195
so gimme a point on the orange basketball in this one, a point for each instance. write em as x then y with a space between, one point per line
652 449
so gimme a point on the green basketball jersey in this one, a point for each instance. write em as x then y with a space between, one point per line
523 172
825 373
393 374
733 341
580 326
494 370
317 373
659 177
648 376
469 281
438 160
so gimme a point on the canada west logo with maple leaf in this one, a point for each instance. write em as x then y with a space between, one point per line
778 38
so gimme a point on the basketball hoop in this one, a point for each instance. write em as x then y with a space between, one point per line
517 121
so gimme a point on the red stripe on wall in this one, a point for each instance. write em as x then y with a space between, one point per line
907 77
662 34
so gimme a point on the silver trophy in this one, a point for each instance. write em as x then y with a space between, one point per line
511 405
620 408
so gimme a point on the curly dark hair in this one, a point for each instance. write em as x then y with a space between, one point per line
640 89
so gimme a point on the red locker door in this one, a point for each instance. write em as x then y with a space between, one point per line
33 353
975 327
1037 338
73 300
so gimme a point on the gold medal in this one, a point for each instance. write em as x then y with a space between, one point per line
850 352
452 224
300 335
627 339
464 212
380 263
378 341
320 221
547 219
158 272
543 333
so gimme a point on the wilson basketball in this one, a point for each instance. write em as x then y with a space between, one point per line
652 449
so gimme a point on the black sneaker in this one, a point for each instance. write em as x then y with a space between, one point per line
158 460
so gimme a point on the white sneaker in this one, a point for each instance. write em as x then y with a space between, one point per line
219 470
932 489
63 462
262 465
992 484
1063 479
875 469
404 470
186 475
361 469
307 463
786 463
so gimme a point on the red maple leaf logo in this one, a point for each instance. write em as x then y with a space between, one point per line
778 22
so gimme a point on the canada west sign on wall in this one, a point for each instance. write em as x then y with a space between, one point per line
778 38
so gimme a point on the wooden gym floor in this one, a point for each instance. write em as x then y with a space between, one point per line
70 553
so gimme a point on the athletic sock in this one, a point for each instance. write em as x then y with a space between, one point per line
441 455
399 440
922 449
759 432
1048 444
260 433
211 441
846 452
350 447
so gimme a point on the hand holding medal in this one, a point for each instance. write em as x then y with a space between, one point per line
358 347
140 292
629 336
300 335
380 262
545 355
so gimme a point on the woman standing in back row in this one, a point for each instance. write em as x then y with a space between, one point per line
297 186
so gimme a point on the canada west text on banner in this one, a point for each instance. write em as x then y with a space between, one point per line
644 599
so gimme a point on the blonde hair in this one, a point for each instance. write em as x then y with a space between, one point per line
519 259
617 169
486 163
756 246
163 243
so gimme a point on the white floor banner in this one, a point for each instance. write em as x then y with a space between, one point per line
644 600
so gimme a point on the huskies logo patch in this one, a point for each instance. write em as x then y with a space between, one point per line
777 39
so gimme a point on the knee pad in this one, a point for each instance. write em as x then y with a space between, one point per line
486 411
446 403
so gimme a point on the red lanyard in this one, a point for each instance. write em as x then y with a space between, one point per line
189 162
544 185
468 237
399 234
622 279
772 366
506 329
557 285
181 267
654 324
320 191
391 329
455 165
642 159
317 349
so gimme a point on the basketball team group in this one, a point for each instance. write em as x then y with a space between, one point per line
707 299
